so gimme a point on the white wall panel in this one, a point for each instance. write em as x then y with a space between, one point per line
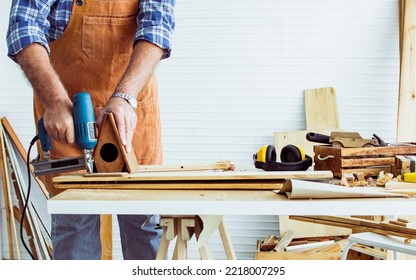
237 74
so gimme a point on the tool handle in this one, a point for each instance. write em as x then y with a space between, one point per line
316 137
84 121
45 139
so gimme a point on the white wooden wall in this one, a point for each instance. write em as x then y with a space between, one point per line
237 74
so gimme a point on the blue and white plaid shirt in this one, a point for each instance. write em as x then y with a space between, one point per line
43 21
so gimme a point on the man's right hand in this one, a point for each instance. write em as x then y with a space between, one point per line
59 122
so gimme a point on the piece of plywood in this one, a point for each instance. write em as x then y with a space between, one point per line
406 130
310 230
297 138
321 109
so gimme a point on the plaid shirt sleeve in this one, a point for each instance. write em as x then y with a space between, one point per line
28 24
156 23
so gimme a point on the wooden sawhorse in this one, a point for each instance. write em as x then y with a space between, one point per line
184 227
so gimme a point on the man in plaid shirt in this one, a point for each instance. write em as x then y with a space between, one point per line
110 49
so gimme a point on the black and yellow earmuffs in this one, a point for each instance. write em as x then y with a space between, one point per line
292 157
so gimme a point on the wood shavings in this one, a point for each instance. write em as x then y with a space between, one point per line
355 183
383 178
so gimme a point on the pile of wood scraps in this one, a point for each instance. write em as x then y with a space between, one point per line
289 248
15 189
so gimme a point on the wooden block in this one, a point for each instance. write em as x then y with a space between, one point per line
284 241
321 109
359 176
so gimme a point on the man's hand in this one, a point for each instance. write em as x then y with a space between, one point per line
125 116
59 122
34 61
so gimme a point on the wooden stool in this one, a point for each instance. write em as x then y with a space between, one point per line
184 227
396 244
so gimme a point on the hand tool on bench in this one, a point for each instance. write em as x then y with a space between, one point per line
342 139
85 138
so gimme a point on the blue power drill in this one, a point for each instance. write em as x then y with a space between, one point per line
85 138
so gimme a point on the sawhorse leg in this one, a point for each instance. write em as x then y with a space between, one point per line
183 228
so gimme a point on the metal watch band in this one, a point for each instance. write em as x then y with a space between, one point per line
126 96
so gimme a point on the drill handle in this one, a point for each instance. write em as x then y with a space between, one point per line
45 139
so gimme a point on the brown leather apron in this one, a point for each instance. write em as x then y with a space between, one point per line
92 55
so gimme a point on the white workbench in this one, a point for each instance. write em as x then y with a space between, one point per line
218 202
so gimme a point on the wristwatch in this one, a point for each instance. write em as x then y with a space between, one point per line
128 97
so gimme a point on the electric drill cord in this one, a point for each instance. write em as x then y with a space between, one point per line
27 195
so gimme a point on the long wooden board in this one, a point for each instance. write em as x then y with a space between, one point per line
188 180
406 130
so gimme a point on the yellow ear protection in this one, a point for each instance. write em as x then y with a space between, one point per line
292 157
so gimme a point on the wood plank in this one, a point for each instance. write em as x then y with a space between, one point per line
362 225
224 165
7 197
310 230
406 130
321 109
198 175
5 182
388 151
189 180
360 162
188 185
106 236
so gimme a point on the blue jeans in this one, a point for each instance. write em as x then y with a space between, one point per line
77 237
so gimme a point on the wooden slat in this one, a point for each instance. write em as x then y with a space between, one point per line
106 235
406 130
362 225
5 183
389 151
360 162
201 185
198 175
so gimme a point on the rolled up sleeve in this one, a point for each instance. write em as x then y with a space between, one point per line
156 22
27 24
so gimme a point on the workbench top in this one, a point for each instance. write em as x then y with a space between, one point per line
218 202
